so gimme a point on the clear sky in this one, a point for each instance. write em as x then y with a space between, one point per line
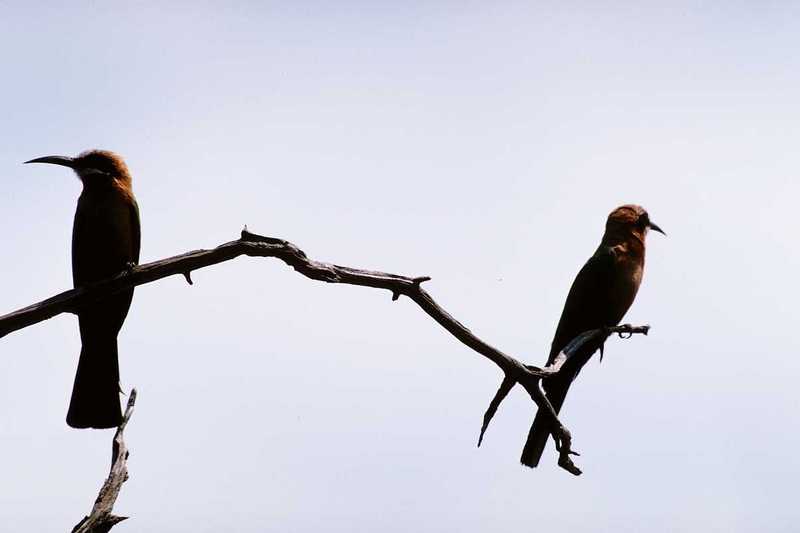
482 144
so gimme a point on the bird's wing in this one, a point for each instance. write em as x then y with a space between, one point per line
588 304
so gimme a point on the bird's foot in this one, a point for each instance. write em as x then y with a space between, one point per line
628 335
129 268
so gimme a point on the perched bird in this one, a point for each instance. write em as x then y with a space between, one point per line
599 297
105 241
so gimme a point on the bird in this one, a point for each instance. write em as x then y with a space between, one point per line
600 296
106 239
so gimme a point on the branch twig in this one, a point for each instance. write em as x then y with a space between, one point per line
100 520
254 245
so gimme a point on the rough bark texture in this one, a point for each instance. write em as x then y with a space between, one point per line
100 520
254 245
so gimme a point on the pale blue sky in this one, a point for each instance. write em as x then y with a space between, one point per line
481 145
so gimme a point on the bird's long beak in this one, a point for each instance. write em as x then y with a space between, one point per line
655 227
55 160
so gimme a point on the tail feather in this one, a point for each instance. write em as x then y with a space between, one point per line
541 428
95 393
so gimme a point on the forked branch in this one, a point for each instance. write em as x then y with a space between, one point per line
100 520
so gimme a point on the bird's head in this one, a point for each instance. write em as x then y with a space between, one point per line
630 221
93 167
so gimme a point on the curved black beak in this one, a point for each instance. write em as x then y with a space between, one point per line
54 160
654 227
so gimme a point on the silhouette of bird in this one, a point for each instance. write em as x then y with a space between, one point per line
106 238
600 296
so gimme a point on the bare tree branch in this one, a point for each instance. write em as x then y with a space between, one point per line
100 520
254 245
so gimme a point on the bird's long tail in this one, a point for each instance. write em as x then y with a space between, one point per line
540 430
95 394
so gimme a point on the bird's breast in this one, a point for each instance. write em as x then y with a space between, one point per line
102 236
631 269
